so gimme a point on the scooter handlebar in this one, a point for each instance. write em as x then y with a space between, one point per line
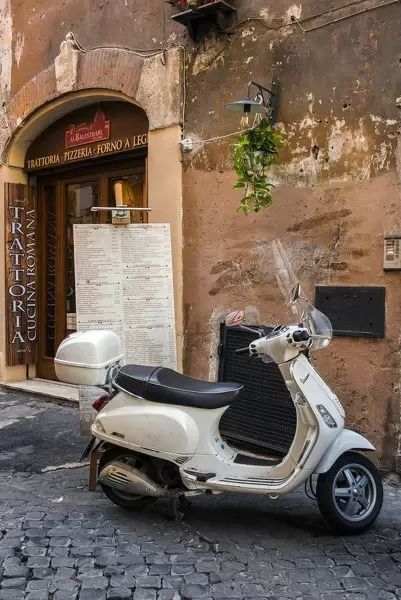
242 350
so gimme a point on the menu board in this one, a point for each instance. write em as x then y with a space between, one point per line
124 282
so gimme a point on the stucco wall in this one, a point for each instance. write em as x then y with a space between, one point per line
39 27
337 196
337 183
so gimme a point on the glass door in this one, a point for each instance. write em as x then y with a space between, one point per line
62 206
129 190
80 197
63 203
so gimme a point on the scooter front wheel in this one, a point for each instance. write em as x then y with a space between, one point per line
350 494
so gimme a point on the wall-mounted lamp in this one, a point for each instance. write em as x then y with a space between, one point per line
261 105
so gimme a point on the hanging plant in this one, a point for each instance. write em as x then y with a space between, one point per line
253 155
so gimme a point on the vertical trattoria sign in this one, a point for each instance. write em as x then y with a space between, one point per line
21 274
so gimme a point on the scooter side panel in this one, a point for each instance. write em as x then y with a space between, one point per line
161 428
317 396
315 389
149 425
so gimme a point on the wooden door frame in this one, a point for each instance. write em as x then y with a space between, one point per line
96 173
45 365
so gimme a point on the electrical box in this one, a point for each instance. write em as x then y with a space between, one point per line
354 311
392 253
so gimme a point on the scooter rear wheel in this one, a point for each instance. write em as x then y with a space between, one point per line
124 499
350 494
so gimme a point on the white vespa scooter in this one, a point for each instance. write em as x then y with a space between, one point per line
160 436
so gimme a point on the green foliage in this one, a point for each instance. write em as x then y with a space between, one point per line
253 155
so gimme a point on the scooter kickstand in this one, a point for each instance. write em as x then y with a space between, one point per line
177 514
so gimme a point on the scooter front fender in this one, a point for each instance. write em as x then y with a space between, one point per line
347 440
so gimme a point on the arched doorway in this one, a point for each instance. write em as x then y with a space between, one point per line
93 156
147 169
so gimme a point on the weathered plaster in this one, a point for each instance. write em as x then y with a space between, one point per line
155 83
218 317
5 67
162 82
66 65
397 385
18 47
5 49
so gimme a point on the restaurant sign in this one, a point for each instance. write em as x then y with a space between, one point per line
51 160
86 133
21 274
94 133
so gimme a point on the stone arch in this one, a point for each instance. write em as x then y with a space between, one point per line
76 77
44 116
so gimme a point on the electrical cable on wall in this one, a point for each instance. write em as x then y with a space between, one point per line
257 119
295 22
149 53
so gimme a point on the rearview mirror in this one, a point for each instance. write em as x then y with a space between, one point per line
295 293
235 318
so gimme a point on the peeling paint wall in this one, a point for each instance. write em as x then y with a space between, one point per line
5 66
5 48
337 190
337 184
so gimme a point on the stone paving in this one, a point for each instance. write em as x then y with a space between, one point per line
60 542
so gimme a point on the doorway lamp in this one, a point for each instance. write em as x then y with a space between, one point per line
267 107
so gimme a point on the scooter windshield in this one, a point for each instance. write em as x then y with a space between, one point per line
303 311
317 324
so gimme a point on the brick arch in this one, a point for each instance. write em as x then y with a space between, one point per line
37 122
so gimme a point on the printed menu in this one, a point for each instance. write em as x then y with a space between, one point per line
124 282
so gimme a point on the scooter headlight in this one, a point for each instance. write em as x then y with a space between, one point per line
326 416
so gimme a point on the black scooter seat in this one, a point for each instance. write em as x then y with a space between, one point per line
159 384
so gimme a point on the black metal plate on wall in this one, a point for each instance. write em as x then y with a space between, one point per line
355 311
199 19
264 416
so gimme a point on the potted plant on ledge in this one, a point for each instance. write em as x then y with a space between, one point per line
199 15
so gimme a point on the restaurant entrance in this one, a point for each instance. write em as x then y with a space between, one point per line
66 199
64 155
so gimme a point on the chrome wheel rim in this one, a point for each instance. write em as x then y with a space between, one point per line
354 492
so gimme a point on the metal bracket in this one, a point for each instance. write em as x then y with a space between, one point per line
121 207
121 211
187 145
272 101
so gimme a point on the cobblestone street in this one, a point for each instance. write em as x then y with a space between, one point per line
60 542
